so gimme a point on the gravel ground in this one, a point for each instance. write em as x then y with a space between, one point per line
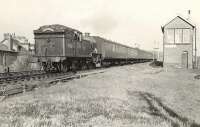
125 96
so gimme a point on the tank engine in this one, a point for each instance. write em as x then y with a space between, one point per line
60 48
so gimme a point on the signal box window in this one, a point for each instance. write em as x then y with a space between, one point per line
187 36
169 36
178 35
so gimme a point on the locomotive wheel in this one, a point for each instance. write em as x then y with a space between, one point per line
74 67
57 67
46 67
91 66
84 66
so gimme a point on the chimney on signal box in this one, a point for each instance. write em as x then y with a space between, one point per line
189 12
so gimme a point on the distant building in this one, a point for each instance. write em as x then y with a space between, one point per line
16 43
178 43
10 48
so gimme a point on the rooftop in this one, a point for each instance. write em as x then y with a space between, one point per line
54 28
179 22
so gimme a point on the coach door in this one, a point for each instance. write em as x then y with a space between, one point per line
184 59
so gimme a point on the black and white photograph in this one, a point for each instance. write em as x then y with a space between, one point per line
100 63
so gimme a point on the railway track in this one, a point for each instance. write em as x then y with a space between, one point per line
24 83
28 77
19 73
18 76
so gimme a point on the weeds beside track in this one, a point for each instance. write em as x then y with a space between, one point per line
23 83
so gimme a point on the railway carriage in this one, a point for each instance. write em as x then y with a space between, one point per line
113 52
144 55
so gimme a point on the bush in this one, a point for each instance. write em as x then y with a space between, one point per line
156 64
22 63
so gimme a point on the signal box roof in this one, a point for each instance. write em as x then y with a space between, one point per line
179 22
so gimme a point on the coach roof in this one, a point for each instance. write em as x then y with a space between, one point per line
101 39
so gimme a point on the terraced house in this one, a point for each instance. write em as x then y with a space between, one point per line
10 48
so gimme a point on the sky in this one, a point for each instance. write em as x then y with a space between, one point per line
129 22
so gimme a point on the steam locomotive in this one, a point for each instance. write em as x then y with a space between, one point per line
61 48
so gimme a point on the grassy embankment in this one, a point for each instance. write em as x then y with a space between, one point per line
135 95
